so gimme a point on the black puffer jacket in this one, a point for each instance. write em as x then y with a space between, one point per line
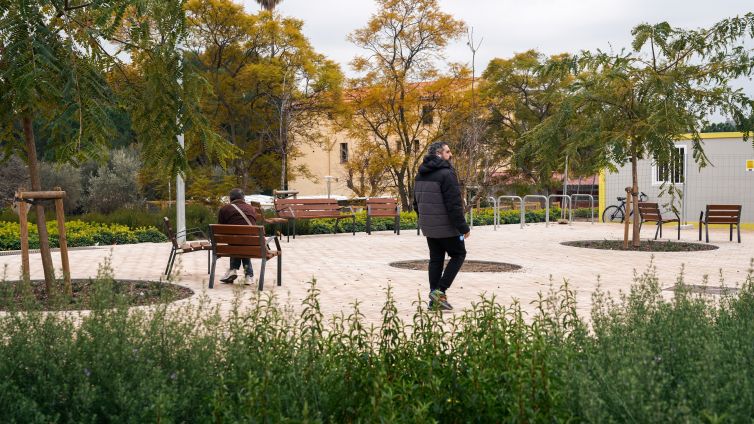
437 199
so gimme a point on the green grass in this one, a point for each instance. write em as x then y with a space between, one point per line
642 359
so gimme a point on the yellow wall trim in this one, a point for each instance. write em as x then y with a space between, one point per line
706 136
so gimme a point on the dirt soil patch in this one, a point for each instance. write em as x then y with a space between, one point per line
87 293
645 246
468 266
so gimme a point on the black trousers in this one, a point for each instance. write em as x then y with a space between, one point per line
438 247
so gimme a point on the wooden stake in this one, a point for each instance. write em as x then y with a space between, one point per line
60 215
24 224
626 219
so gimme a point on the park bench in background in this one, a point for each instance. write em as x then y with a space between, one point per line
720 214
185 247
243 241
297 209
383 207
650 212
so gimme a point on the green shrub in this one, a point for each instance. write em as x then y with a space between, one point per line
79 233
643 359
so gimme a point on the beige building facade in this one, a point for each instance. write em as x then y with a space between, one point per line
324 162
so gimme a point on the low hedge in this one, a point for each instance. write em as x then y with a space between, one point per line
79 233
484 216
639 358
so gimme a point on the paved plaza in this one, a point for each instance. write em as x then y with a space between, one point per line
349 268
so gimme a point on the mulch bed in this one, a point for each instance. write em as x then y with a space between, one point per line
645 246
468 266
85 294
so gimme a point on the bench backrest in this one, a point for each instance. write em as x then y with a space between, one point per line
240 241
649 211
169 231
723 214
307 208
381 206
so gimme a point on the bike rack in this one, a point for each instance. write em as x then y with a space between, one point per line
521 207
591 203
547 206
570 204
495 219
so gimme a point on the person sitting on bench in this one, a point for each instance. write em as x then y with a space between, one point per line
238 212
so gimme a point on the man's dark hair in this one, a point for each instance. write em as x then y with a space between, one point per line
236 194
435 148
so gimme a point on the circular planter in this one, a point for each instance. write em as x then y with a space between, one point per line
645 246
89 293
468 266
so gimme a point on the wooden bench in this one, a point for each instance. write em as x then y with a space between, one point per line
383 207
185 247
243 241
297 209
650 212
720 214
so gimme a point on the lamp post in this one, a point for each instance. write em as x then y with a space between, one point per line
180 184
328 179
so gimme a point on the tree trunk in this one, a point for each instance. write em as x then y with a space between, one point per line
403 193
36 185
635 196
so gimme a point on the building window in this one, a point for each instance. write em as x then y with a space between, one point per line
673 171
343 152
427 115
416 146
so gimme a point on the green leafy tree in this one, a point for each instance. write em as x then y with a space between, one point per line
53 67
636 104
520 93
270 89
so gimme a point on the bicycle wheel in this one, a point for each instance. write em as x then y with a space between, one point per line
612 214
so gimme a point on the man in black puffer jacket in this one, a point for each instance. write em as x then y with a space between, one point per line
437 201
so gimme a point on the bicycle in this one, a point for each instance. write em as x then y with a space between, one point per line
615 213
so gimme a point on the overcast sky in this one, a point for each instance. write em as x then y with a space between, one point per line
510 26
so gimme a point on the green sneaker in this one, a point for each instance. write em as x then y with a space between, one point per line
438 300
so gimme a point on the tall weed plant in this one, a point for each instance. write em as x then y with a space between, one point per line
641 359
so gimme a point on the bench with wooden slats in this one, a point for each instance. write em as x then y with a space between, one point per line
650 212
385 208
186 246
297 209
720 214
243 241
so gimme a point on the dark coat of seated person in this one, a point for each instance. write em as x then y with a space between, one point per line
228 214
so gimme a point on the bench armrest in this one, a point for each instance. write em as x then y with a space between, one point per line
191 231
273 238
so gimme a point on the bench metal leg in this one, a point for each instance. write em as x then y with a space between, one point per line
738 229
701 217
280 269
706 232
294 229
209 256
731 232
369 224
353 224
170 260
261 274
679 229
398 224
658 230
212 272
335 228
